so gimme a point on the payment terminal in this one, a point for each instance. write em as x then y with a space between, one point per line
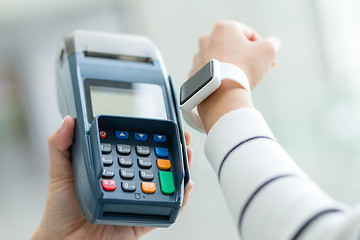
128 153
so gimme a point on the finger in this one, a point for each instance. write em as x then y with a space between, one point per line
187 193
203 40
189 151
249 32
272 46
276 43
236 29
139 231
196 58
188 138
59 149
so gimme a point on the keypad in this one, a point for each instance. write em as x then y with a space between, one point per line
141 164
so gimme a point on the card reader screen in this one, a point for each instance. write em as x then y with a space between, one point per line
128 99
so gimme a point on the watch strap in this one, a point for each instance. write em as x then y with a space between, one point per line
193 120
227 71
234 73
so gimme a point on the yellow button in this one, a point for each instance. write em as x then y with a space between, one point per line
163 164
148 187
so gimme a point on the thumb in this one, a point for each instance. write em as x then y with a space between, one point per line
59 150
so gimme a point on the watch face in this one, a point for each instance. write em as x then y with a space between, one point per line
196 82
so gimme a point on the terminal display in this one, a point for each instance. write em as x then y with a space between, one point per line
124 99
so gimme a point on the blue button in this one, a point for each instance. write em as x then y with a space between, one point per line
161 152
122 135
159 138
140 136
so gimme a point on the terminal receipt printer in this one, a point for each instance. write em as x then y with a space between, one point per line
128 154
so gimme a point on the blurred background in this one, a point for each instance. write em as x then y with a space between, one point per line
310 99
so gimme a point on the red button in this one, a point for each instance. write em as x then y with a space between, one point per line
102 134
108 185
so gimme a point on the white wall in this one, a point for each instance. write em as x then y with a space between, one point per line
297 98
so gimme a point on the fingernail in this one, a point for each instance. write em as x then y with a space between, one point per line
192 188
62 124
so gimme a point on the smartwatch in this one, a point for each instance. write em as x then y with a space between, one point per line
203 83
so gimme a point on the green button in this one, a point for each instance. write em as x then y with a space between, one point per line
166 182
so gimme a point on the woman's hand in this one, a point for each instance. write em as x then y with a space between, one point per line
62 218
236 43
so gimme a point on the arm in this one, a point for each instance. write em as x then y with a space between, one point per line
268 195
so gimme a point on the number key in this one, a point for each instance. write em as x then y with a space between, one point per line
127 173
125 161
105 148
143 151
108 173
123 149
107 160
128 186
146 175
144 162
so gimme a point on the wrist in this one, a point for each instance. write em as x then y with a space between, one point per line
228 97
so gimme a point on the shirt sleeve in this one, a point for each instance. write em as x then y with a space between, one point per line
268 195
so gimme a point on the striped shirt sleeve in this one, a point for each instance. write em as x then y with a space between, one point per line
268 195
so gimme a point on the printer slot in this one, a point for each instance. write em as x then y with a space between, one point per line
118 57
134 217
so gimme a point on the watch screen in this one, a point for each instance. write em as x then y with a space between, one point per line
196 82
